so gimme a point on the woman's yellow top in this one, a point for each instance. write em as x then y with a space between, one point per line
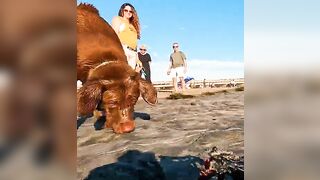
128 34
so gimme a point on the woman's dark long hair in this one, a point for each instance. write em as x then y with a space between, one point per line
134 20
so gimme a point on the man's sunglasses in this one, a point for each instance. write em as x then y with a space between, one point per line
142 49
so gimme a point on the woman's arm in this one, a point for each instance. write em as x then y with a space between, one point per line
116 24
149 58
150 61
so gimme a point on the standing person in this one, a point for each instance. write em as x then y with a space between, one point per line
177 67
127 27
145 58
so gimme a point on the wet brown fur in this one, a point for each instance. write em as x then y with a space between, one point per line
114 83
96 41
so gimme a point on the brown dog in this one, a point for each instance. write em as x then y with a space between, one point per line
107 77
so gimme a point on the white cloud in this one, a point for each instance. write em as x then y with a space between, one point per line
201 69
281 51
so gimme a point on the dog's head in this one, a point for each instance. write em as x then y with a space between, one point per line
118 86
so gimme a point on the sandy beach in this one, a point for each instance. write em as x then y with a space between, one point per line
169 139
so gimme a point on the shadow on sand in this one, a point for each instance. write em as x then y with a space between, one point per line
141 115
82 119
137 165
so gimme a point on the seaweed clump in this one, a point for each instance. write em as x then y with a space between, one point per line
241 88
222 165
208 93
179 96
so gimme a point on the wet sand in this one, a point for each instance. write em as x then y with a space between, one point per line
169 139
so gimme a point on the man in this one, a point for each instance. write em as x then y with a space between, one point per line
177 67
145 58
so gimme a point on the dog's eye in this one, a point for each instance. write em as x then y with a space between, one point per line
113 103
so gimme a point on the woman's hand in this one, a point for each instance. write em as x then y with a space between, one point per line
138 66
139 63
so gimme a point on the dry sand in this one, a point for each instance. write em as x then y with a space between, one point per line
168 140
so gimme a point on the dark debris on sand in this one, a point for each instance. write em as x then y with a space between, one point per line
222 165
179 96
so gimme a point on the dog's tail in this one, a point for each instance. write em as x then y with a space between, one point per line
88 97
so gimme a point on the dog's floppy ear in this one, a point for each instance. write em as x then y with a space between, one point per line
88 97
148 92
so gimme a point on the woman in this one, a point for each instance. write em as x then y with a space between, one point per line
127 27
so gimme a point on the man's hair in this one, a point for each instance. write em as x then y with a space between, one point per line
175 43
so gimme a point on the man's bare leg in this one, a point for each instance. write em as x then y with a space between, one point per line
183 84
175 84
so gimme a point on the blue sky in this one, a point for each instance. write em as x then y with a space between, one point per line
282 36
210 33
